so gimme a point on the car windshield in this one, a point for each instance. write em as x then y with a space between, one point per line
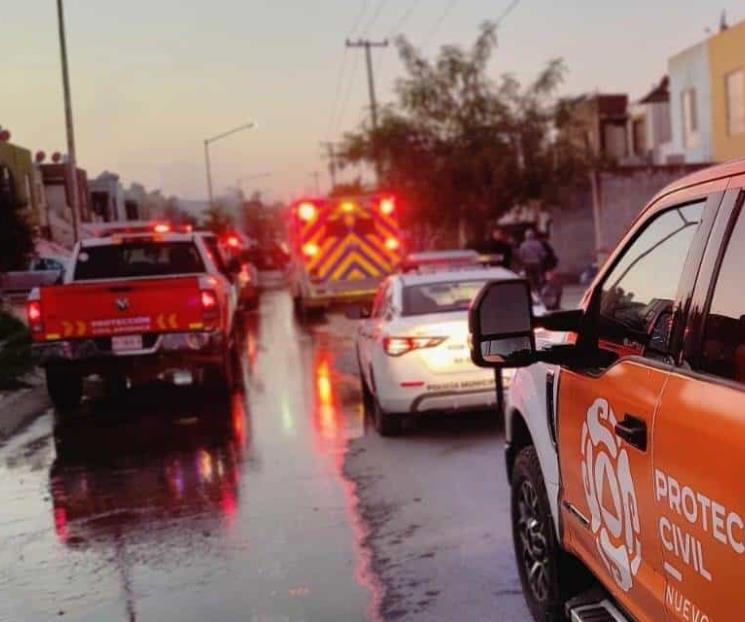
138 259
444 297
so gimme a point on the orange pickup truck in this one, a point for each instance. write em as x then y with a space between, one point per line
134 308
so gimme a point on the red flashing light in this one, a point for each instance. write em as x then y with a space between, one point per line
233 241
392 244
209 300
307 211
311 249
162 227
388 206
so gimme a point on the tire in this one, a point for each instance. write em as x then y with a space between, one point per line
538 554
219 378
116 386
368 401
65 388
386 424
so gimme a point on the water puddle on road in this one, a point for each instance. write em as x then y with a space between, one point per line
172 505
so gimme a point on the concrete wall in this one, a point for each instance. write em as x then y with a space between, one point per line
726 54
623 192
572 230
690 69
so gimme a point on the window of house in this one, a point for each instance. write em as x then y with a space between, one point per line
638 295
690 117
734 84
723 345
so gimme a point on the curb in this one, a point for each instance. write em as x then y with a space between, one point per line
20 408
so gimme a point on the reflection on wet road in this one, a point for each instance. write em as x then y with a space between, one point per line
169 504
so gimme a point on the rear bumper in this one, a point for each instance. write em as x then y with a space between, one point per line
472 390
169 348
328 292
441 401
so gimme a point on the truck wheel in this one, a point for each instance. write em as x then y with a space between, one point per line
220 377
65 388
536 548
386 424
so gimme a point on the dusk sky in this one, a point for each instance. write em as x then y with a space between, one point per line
151 79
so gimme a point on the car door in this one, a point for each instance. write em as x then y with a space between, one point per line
699 447
607 406
369 328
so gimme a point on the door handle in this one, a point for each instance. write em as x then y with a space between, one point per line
634 431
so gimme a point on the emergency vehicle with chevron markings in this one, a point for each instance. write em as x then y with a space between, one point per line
342 248
132 308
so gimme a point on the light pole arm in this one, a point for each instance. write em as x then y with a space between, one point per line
208 165
248 126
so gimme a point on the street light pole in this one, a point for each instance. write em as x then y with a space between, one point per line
72 167
207 162
209 172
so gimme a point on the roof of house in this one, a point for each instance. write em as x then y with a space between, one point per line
660 93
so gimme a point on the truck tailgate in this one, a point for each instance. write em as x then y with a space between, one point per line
102 309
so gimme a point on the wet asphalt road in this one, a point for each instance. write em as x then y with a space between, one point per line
279 506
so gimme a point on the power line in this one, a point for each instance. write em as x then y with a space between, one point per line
334 110
511 7
440 20
405 17
348 93
360 16
375 16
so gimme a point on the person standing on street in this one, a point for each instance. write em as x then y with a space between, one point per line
532 256
499 249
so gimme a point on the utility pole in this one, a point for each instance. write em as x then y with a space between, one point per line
368 45
72 166
331 154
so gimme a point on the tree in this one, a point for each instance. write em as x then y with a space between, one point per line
458 146
16 236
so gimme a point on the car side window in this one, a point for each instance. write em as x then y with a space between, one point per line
637 297
723 345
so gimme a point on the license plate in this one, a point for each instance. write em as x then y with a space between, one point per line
126 343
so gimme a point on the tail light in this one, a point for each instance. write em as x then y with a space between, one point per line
33 312
208 299
398 346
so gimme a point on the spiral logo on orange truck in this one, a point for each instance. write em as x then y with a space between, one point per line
611 497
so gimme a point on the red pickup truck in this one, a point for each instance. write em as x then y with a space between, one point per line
134 308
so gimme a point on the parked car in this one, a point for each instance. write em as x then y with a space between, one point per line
413 347
41 271
625 442
134 308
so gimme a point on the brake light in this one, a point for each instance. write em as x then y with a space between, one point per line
398 346
392 244
33 313
310 249
307 211
209 300
387 206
